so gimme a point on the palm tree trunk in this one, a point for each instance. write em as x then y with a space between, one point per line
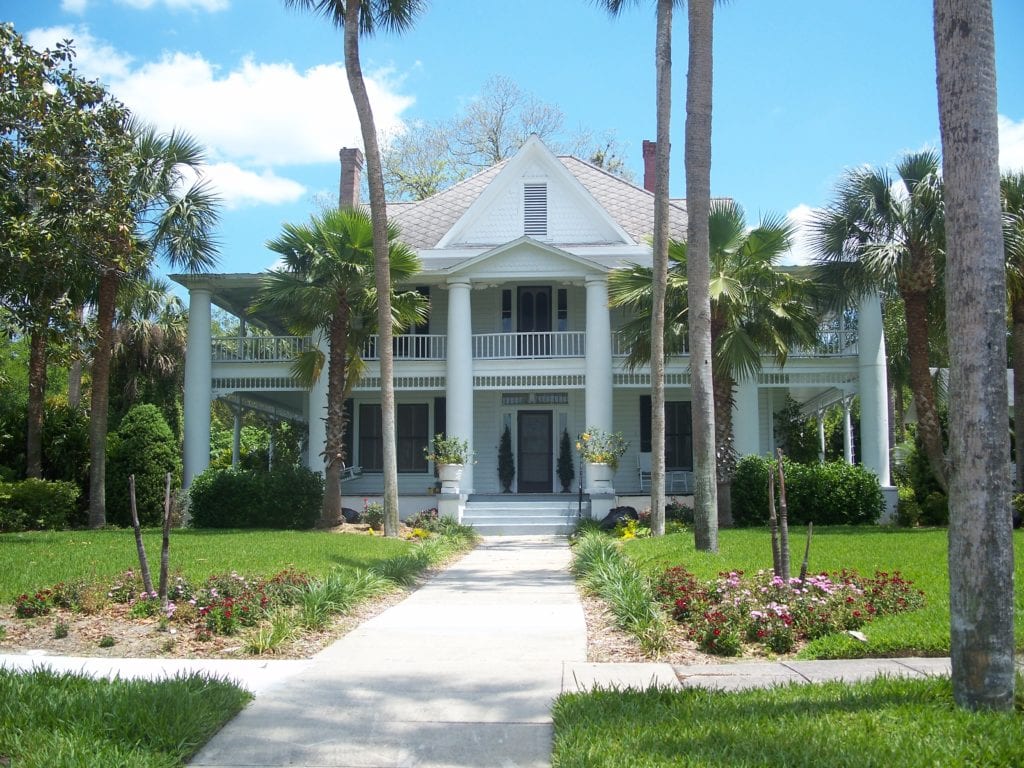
981 565
105 305
724 387
382 264
663 66
915 305
1017 339
334 448
36 398
698 269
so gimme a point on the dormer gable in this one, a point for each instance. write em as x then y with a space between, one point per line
536 196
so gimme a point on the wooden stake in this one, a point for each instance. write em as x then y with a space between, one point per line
165 557
807 553
783 520
773 525
147 582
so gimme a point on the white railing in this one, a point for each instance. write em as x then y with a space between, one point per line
831 342
503 346
621 347
258 348
416 346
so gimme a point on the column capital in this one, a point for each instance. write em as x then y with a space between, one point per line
458 283
595 280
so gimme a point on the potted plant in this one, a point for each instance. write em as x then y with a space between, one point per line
566 470
506 464
602 451
450 454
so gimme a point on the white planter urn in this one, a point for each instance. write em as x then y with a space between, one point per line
450 475
599 478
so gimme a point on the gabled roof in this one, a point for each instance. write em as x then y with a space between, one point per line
425 223
527 256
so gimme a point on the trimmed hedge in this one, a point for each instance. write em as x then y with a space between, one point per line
286 497
144 446
835 493
33 504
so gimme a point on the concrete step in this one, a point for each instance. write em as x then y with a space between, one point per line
516 518
523 529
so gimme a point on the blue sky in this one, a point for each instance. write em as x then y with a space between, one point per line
803 88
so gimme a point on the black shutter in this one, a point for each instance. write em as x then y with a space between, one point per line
645 423
440 416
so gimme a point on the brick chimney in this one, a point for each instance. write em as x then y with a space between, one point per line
351 177
649 149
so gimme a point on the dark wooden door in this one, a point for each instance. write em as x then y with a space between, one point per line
535 451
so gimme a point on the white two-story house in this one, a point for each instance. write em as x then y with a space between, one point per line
515 262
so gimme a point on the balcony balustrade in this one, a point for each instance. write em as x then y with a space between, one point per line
505 346
258 349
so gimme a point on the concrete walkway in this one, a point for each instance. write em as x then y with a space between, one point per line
462 673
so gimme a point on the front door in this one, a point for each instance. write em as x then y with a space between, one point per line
535 452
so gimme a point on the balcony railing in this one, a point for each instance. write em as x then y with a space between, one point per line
831 343
504 346
419 346
266 349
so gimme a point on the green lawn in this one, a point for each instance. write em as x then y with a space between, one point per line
877 724
920 554
49 719
35 560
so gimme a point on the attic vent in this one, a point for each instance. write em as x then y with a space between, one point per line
535 209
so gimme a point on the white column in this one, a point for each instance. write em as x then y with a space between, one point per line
459 373
874 411
746 419
316 410
198 384
598 367
847 431
821 437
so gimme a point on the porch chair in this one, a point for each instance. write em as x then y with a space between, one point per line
643 466
350 473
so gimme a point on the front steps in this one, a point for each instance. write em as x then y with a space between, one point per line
523 515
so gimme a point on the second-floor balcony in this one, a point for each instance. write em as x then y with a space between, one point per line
486 346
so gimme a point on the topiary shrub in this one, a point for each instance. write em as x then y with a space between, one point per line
287 497
36 504
908 511
835 493
144 446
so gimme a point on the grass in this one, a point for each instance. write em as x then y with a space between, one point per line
49 719
881 723
35 560
920 554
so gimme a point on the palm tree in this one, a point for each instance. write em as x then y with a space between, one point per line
756 308
663 115
326 281
357 17
886 234
1012 188
157 212
980 535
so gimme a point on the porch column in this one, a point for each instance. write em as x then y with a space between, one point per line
874 410
847 431
198 385
316 412
821 437
598 368
459 373
746 419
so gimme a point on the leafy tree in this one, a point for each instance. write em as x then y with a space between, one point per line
1012 188
326 282
145 447
886 234
980 534
365 17
54 130
756 308
156 212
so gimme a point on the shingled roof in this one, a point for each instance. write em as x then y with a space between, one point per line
425 222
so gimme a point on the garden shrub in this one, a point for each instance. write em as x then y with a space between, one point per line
36 504
908 511
835 493
935 509
66 451
144 446
286 497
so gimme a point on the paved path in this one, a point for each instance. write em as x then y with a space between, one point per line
462 673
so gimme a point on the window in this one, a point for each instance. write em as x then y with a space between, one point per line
678 433
412 421
535 209
563 310
506 311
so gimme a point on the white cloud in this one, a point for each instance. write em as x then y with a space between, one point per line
801 251
186 5
256 115
74 6
1011 144
240 188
